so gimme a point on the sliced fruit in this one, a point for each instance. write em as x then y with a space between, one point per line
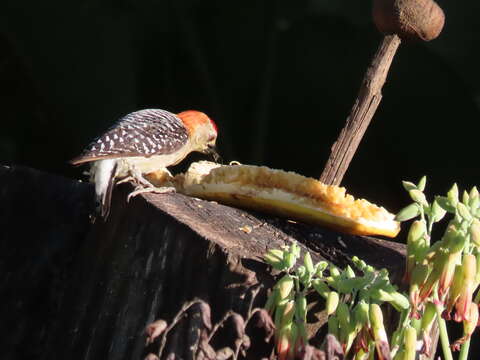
286 194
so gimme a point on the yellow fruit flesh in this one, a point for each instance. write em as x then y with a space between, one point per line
290 195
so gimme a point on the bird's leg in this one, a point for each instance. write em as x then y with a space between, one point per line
153 189
146 186
126 179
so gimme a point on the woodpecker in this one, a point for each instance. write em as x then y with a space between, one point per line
142 142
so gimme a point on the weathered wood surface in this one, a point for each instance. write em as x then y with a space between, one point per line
103 283
43 222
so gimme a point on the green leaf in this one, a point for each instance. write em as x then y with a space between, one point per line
438 212
445 203
409 212
295 250
320 267
421 184
465 197
452 195
474 193
464 212
475 232
407 185
332 302
349 273
399 301
301 308
307 260
274 257
321 288
474 204
290 260
418 197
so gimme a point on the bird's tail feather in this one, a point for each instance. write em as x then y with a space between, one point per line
107 196
104 175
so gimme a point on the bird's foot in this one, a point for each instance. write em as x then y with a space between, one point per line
151 189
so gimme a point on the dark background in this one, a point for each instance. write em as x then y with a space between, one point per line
279 78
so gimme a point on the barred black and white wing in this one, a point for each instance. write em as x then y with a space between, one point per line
142 133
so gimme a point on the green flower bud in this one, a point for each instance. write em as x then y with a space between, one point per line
477 275
279 312
399 301
274 257
285 286
334 272
455 288
332 302
416 323
470 323
380 295
378 329
290 260
464 212
421 183
301 308
321 288
408 212
447 273
295 250
400 355
321 265
301 271
283 342
410 343
439 261
415 239
347 328
343 314
469 263
360 313
453 240
360 264
349 273
475 232
293 340
272 301
333 326
302 335
418 197
474 204
307 260
288 313
474 193
419 276
429 315
465 197
452 195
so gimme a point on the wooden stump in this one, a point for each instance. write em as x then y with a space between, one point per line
144 263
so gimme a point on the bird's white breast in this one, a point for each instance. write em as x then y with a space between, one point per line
147 165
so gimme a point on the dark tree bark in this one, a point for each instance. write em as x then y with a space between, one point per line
82 291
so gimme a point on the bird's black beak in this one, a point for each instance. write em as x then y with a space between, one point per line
212 150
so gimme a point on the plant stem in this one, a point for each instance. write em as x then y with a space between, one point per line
447 353
368 98
464 351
